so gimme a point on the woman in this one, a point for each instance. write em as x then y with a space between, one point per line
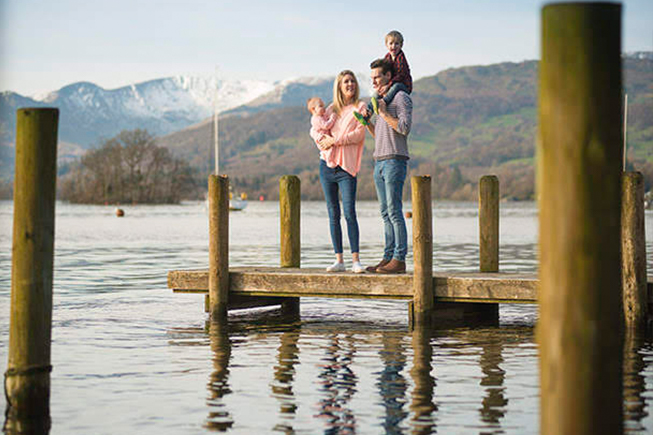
340 161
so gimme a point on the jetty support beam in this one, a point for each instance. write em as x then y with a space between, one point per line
633 251
27 379
218 246
423 300
290 243
488 223
579 167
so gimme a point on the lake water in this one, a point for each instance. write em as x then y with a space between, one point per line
129 356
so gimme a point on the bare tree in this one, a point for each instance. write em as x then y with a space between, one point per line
129 168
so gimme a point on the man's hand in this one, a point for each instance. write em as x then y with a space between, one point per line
383 89
326 142
383 108
366 113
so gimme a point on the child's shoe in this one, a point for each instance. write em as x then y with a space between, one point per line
375 105
360 118
336 267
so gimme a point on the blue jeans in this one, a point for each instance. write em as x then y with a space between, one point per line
389 96
389 177
334 180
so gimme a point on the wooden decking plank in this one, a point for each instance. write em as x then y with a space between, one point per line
451 287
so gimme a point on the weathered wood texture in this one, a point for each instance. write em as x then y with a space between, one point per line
579 188
218 246
422 249
459 287
290 231
27 380
290 210
633 251
488 221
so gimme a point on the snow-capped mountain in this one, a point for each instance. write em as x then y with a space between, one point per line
295 92
89 113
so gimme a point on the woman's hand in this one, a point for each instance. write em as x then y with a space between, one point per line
326 142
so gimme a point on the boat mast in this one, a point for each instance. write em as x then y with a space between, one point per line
625 129
215 125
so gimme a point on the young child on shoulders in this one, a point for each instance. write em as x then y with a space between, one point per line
321 122
401 79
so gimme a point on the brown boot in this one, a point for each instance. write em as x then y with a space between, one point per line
372 269
394 266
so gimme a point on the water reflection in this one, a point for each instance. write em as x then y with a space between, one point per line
338 385
494 402
422 405
284 375
392 384
634 383
219 418
405 386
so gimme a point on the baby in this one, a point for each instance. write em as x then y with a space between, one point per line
401 79
320 123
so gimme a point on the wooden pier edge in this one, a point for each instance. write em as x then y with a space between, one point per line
447 287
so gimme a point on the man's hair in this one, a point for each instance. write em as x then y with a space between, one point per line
312 102
394 34
385 65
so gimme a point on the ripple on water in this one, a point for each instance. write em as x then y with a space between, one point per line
148 361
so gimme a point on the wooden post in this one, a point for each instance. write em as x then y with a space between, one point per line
422 250
633 251
290 218
218 246
488 219
27 379
579 180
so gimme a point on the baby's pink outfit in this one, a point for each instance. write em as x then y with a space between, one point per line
321 125
349 135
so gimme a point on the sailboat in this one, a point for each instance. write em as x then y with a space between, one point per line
235 204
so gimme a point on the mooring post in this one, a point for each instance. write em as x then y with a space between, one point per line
27 379
290 217
218 246
488 220
422 307
633 251
580 328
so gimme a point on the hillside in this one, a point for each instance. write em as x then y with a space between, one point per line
467 122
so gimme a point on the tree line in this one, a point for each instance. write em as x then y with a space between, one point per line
129 168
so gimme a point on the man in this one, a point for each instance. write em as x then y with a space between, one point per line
391 161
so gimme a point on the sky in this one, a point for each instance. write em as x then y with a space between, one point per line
47 44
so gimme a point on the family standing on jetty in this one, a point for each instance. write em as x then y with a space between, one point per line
339 133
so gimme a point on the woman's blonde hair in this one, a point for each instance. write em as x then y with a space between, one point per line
339 99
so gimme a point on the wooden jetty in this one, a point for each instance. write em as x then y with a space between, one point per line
247 285
295 282
463 295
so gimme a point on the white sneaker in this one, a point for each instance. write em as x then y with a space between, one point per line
336 267
357 267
